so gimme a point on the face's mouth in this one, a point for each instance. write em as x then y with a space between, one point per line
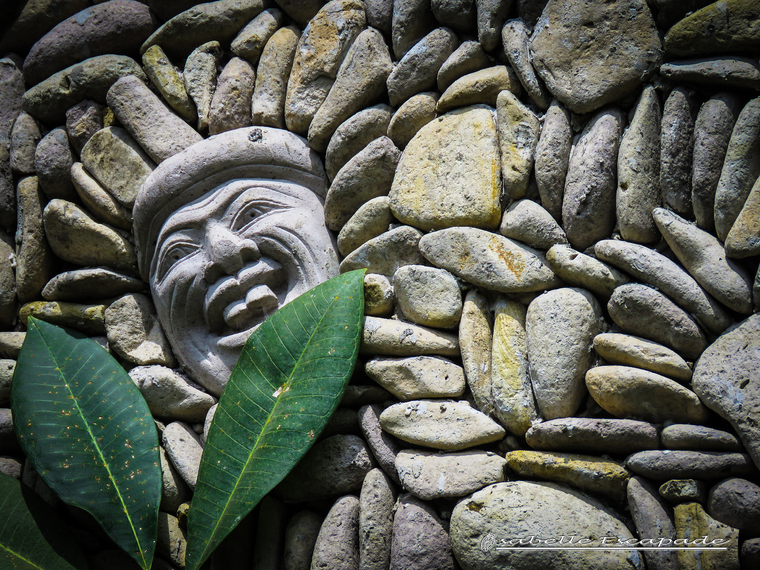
236 303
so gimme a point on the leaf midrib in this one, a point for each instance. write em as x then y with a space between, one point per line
97 447
17 555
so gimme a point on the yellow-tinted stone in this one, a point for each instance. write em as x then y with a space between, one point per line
693 523
168 81
482 86
89 319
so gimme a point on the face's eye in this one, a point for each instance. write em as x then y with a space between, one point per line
252 211
172 255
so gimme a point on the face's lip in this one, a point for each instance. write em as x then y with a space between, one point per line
236 302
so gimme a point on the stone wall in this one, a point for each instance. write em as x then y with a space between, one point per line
557 205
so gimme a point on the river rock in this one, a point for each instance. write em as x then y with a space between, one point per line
10 344
584 271
118 26
736 502
417 377
174 491
369 221
528 222
75 237
7 282
318 57
388 337
572 41
585 472
629 350
90 79
411 116
360 81
458 15
592 435
476 341
337 545
467 58
250 41
333 466
728 27
705 259
488 260
518 136
87 319
380 15
376 503
134 332
560 327
684 491
413 520
220 21
692 521
276 61
653 519
676 148
171 394
741 168
677 464
169 82
24 138
387 252
743 240
115 160
93 283
378 295
639 394
354 134
82 121
300 10
53 160
418 69
34 260
410 21
512 400
440 424
102 205
481 86
431 475
552 158
384 447
231 103
699 438
367 175
726 380
184 450
200 78
658 271
300 536
158 131
726 71
588 207
642 311
519 509
514 37
638 171
428 296
451 166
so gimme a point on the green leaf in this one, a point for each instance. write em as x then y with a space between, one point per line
32 535
288 381
88 432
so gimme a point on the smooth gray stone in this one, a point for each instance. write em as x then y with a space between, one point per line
676 464
428 296
91 79
376 507
588 207
387 252
268 107
24 138
174 491
370 220
629 350
380 15
200 78
418 70
656 270
581 270
156 129
417 377
389 337
731 71
90 283
518 129
699 438
250 41
643 311
170 394
82 121
552 157
712 131
491 16
480 87
638 171
528 222
726 379
10 344
653 518
53 160
184 450
676 149
514 37
135 333
118 26
231 103
378 295
354 134
102 205
384 446
736 502
7 367
476 345
220 21
744 238
34 260
705 259
415 519
467 58
11 467
741 168
35 20
7 192
684 491
591 435
8 308
750 553
300 536
360 82
334 466
410 22
11 92
459 15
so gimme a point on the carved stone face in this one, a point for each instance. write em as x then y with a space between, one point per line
229 259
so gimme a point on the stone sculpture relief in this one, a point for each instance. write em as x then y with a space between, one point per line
557 206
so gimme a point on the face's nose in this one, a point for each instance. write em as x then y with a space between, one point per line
226 253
